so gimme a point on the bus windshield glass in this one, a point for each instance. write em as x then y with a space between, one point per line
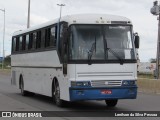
101 42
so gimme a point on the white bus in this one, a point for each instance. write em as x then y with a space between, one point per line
82 57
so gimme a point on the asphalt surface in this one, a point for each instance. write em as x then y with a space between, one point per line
11 100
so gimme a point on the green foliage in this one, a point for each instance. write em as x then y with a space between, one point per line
7 62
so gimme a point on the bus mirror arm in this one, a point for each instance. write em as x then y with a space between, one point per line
136 41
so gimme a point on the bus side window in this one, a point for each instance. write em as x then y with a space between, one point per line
53 36
34 40
27 42
38 40
55 42
30 45
20 43
47 37
24 42
42 38
17 44
13 44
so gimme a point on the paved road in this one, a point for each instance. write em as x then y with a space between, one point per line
11 100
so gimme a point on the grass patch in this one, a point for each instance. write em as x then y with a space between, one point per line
148 76
5 71
149 86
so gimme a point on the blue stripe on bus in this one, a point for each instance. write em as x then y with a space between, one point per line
95 93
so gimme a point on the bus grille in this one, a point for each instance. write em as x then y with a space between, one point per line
106 83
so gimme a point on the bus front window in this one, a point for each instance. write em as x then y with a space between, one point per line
101 43
82 40
118 39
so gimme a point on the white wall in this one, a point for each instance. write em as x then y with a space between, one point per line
146 67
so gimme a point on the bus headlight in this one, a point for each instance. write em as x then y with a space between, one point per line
80 84
125 83
129 82
132 82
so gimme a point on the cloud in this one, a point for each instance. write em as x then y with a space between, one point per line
35 19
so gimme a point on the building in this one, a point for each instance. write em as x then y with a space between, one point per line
146 67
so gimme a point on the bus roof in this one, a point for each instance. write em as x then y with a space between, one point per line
81 19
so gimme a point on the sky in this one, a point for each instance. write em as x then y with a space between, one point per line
138 11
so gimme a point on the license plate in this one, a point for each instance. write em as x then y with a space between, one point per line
106 91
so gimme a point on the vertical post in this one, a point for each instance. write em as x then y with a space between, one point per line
58 26
155 10
158 49
28 21
61 5
3 38
60 11
3 41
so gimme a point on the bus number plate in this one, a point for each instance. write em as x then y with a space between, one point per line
106 91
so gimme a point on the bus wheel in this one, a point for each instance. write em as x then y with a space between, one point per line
111 103
56 95
23 92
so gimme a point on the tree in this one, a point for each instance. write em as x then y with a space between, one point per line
8 60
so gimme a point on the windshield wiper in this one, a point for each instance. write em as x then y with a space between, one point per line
90 52
116 55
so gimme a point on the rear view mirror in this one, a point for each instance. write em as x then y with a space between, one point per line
136 41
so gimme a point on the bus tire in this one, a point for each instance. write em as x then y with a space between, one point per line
56 95
23 92
111 103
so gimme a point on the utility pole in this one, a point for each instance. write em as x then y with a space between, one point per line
3 10
28 21
61 5
155 10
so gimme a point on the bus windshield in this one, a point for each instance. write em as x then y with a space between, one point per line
101 42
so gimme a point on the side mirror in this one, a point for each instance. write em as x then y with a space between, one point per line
136 41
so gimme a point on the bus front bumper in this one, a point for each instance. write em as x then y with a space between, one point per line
77 94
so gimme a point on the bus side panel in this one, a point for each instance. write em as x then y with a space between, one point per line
30 77
38 71
64 84
15 76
